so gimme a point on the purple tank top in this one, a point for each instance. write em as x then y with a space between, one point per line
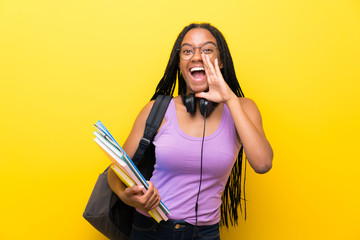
177 169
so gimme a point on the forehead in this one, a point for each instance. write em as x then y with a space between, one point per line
198 36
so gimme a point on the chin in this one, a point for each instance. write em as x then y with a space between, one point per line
197 88
202 89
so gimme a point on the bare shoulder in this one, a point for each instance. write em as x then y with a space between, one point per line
137 130
143 114
248 104
250 108
145 111
139 124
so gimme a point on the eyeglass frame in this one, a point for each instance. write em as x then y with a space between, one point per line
194 48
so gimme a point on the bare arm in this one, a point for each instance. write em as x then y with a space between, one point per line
133 196
246 117
249 127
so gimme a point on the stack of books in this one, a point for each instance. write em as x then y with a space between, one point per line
124 167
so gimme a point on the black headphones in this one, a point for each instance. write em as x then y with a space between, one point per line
206 108
205 105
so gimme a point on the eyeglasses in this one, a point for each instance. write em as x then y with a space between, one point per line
186 52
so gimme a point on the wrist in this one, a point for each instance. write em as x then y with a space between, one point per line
231 98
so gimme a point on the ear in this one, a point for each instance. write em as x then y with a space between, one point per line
221 66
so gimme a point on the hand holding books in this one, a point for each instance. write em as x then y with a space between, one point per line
124 167
136 195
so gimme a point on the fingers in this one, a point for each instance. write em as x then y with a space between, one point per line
145 201
202 95
134 190
151 198
218 88
217 67
210 70
207 68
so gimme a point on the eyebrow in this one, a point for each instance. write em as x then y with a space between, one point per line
188 44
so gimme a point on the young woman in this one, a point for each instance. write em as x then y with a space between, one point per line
191 172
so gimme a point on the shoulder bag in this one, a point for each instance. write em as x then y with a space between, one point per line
104 210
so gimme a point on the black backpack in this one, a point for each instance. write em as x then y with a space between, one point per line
104 210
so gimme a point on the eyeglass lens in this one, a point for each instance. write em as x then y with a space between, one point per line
187 52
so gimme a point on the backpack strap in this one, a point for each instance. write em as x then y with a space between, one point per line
152 125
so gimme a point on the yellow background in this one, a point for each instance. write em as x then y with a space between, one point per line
66 64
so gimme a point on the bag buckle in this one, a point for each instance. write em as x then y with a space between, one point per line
144 143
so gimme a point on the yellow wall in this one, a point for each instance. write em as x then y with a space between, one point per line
66 64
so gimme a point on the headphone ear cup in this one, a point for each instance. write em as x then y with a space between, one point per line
203 105
190 103
206 107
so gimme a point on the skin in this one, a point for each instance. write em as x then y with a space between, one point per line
244 112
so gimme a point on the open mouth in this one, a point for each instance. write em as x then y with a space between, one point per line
198 73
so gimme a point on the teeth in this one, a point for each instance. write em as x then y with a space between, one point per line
196 69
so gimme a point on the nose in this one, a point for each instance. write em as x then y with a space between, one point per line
197 54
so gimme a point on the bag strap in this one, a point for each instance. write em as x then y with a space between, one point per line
152 125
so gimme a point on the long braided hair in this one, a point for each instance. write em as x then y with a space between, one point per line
232 195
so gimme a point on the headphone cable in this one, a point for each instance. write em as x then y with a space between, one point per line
201 170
